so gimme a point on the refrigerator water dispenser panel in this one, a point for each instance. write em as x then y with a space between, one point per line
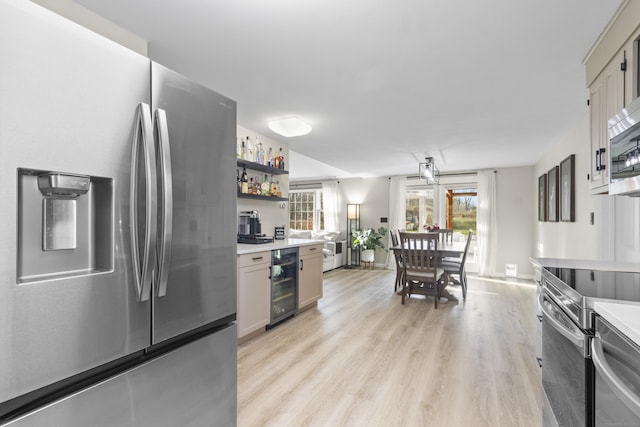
59 210
65 225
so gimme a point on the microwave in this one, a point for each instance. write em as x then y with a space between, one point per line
624 146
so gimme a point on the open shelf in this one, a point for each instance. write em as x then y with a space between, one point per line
262 168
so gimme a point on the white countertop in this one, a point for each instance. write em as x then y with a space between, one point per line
245 248
624 316
586 264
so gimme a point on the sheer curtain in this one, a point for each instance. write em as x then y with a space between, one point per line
487 225
330 205
397 211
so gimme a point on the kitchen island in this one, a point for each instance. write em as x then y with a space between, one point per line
257 299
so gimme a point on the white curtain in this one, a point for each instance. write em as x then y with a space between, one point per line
330 205
397 211
487 224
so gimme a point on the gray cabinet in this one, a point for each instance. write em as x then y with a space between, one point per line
254 292
310 278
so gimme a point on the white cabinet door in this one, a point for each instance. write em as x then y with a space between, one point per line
606 99
310 277
254 292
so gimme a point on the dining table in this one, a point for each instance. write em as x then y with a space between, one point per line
445 249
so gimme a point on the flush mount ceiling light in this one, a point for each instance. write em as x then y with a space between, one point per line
291 126
428 172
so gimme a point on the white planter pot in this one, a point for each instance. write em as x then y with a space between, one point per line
368 255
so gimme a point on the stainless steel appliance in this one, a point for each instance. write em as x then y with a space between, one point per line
568 325
624 141
117 243
617 367
250 228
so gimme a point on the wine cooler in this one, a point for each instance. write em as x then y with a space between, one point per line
284 284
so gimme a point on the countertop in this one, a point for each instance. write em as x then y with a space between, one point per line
624 316
586 264
245 248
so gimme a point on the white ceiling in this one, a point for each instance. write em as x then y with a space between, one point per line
475 84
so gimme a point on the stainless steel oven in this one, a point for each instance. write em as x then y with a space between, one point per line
567 371
569 321
617 367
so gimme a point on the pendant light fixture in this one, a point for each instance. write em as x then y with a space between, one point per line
428 172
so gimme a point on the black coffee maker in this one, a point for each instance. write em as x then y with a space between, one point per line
250 228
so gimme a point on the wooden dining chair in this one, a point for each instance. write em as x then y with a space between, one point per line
421 273
455 267
399 268
446 235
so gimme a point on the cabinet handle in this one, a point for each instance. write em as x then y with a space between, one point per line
258 258
603 166
598 160
301 264
313 249
269 272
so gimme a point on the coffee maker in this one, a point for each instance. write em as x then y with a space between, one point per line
250 228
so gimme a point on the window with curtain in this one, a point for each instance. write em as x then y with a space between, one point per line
419 208
305 210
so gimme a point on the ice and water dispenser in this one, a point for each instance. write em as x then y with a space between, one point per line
64 225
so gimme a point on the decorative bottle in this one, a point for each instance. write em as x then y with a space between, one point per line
244 182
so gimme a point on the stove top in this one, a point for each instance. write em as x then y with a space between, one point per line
614 285
576 290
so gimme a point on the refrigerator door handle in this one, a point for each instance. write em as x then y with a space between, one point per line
143 141
166 178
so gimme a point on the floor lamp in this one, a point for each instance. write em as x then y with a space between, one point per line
353 223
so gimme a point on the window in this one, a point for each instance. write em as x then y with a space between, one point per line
419 208
305 210
462 209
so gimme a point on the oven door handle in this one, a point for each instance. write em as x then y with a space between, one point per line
576 338
623 392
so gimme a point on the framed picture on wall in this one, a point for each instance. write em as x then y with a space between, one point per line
567 189
552 194
542 198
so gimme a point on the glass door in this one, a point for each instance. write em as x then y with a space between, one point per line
284 284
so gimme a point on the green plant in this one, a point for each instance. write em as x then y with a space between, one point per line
369 238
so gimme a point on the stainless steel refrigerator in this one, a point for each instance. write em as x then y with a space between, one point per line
117 234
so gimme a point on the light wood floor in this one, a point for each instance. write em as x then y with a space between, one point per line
361 358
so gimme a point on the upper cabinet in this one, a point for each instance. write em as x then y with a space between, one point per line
606 98
613 81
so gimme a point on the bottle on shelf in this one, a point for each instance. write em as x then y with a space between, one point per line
264 187
239 148
243 150
250 151
252 186
259 152
238 181
278 190
281 159
273 191
244 182
270 157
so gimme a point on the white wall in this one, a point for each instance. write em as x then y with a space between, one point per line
567 239
373 196
514 211
85 17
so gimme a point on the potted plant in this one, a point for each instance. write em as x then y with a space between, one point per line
369 239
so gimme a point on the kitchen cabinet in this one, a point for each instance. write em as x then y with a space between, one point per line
263 169
310 277
254 292
606 98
